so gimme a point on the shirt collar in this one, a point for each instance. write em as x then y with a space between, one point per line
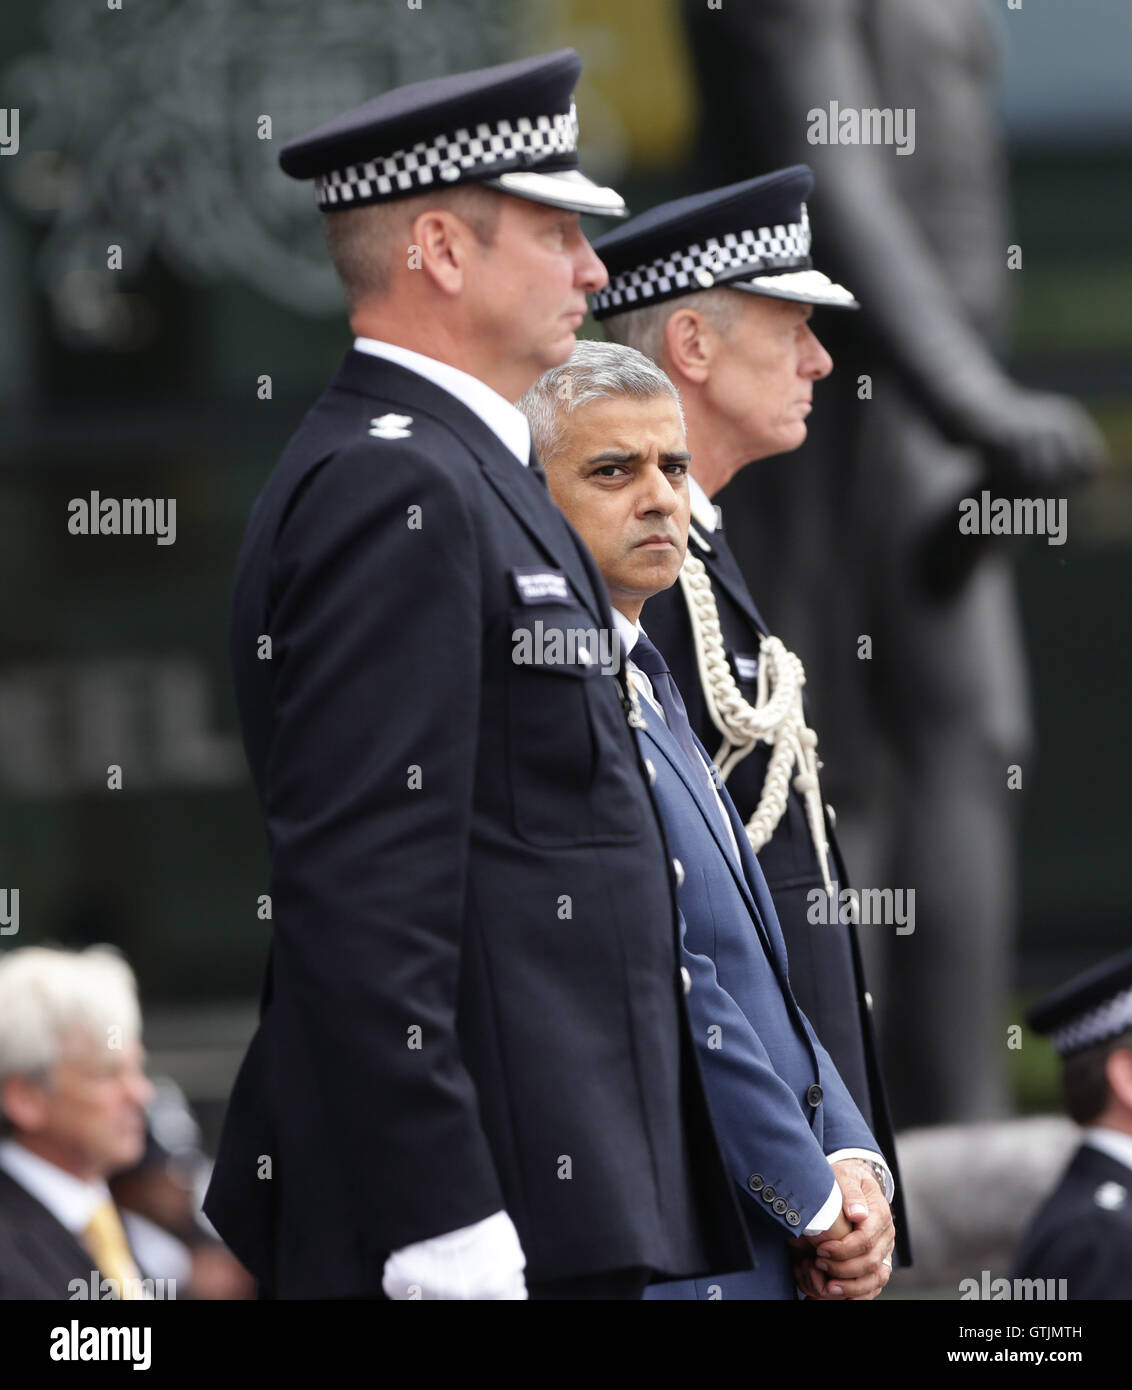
1110 1141
628 632
703 512
507 423
72 1201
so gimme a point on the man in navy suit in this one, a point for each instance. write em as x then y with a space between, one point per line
473 1075
719 290
609 429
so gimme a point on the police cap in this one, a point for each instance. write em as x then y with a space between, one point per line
752 236
513 127
1088 1009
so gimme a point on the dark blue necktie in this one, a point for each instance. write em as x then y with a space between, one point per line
647 659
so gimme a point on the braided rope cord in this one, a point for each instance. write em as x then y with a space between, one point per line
777 718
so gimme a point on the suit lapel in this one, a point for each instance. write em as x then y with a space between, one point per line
522 493
658 733
747 874
760 890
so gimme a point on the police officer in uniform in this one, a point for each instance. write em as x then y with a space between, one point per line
473 1074
718 288
1083 1231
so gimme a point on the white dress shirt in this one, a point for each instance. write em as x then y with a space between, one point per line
506 422
703 508
484 1260
628 632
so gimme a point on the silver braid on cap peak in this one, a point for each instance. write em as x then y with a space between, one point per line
1105 1021
778 718
715 260
449 158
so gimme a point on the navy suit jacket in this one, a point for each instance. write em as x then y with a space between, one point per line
826 967
473 995
778 1102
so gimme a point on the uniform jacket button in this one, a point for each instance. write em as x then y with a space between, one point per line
779 1206
792 1218
868 1001
678 870
651 772
814 1095
769 1193
686 977
755 1182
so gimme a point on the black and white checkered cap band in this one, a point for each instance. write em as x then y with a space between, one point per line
714 261
1106 1021
450 157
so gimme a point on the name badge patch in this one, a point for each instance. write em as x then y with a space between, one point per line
541 586
747 667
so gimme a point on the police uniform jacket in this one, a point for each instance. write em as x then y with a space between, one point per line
473 998
1083 1231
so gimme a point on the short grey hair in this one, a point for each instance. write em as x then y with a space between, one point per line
47 994
592 372
643 328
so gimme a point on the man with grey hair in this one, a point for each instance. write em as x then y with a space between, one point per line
610 430
73 1094
719 290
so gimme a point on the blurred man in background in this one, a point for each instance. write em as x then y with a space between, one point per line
1083 1232
73 1094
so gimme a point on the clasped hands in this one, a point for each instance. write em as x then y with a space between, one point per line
847 1262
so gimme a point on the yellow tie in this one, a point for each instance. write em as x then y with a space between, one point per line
105 1238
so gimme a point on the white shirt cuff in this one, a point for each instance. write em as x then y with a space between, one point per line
827 1213
482 1261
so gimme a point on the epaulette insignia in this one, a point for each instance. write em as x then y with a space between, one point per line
391 427
1110 1196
